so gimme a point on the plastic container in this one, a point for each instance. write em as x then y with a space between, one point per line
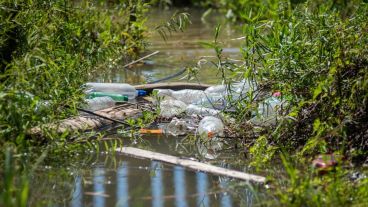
170 108
114 96
188 96
212 100
99 103
210 127
119 88
177 127
267 112
199 110
220 89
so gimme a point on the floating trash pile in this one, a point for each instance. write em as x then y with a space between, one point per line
202 113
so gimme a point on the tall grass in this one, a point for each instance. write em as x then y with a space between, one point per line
49 49
315 54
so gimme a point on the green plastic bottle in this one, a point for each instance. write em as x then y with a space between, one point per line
114 96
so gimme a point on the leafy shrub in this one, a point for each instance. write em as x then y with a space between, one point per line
49 49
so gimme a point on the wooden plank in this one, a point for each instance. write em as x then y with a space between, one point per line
195 165
172 85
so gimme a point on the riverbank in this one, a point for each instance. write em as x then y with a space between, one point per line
313 58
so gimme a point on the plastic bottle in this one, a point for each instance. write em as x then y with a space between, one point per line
114 96
177 127
219 89
119 88
163 94
267 112
170 108
188 96
200 110
210 127
212 100
99 103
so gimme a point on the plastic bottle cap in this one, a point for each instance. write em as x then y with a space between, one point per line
141 92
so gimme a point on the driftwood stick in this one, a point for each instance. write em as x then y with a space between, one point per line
171 85
195 165
104 117
142 58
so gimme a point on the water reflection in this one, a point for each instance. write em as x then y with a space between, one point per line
99 187
157 185
180 191
169 186
226 200
77 193
202 190
180 50
122 192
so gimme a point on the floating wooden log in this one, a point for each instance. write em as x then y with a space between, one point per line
195 165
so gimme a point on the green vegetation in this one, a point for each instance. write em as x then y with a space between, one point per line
316 55
48 50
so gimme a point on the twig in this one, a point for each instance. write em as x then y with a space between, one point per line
101 116
142 58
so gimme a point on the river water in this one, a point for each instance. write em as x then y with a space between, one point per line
101 178
181 49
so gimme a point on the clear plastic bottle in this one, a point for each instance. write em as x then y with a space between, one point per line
177 127
188 96
200 110
219 89
210 127
163 93
213 101
119 88
267 112
99 103
170 108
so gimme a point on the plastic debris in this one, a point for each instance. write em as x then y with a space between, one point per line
177 127
99 103
114 96
119 88
202 111
151 131
268 112
324 163
210 127
171 108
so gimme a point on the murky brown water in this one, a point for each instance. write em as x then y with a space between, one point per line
181 49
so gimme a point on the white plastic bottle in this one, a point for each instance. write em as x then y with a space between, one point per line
99 103
210 127
120 88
